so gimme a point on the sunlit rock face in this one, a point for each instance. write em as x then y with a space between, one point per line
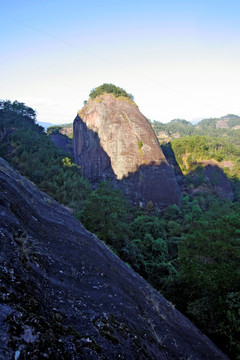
113 140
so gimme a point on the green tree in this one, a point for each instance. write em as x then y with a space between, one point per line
209 258
111 89
105 215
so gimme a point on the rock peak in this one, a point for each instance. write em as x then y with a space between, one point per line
113 139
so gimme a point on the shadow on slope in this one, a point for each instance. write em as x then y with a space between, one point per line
170 156
64 295
63 142
210 177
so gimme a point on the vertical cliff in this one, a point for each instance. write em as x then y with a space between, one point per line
113 140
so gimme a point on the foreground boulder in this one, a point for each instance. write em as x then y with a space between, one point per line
64 295
114 141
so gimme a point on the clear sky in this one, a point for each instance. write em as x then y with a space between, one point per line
179 58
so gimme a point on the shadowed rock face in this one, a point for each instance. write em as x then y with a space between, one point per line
64 295
62 141
113 140
218 180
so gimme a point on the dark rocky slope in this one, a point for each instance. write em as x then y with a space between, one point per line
216 180
63 142
64 295
113 140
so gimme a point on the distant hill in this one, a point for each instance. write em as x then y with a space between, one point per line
225 126
173 130
230 122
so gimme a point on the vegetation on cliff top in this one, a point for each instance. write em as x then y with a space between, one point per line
110 89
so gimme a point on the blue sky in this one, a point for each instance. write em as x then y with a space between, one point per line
180 59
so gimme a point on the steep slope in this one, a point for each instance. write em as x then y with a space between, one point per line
62 141
64 295
113 140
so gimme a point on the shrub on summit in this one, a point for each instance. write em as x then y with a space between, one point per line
111 89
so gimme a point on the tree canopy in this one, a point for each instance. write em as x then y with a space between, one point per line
18 108
111 89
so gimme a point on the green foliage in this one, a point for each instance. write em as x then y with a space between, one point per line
145 224
199 148
172 213
206 127
177 126
105 214
30 150
153 259
140 144
67 162
148 241
209 254
111 89
18 108
213 126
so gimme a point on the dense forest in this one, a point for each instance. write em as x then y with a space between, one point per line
190 254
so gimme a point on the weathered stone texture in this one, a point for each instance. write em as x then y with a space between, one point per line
112 139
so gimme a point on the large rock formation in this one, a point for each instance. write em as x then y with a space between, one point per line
64 295
113 140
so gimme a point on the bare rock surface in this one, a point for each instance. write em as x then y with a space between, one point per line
64 295
113 140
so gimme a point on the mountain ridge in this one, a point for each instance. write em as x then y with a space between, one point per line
177 128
